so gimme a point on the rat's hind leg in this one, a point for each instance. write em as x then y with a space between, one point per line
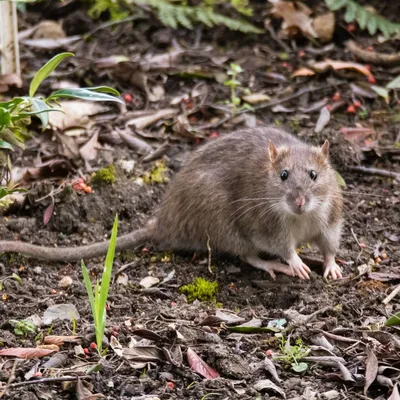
268 266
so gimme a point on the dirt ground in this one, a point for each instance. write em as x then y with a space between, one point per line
349 313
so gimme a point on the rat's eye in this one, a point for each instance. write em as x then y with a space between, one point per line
284 174
313 175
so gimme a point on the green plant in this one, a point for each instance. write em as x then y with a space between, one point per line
393 320
294 354
98 295
174 13
15 114
104 176
365 18
233 83
23 327
7 278
201 289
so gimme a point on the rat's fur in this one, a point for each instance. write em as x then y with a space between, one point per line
230 197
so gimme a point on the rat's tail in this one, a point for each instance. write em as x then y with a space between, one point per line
128 241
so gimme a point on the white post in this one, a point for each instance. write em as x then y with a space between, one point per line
9 48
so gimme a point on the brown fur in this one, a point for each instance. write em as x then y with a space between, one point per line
213 200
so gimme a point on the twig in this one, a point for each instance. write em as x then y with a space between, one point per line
12 377
373 57
392 295
376 171
48 380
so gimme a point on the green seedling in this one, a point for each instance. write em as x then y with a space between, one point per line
7 278
294 354
23 327
99 294
234 83
16 114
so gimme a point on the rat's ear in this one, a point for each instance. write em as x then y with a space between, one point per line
325 149
272 151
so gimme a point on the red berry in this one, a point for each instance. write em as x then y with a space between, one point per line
173 304
171 385
128 98
301 53
285 64
214 135
371 79
37 374
86 350
93 346
268 353
351 27
337 96
357 104
351 109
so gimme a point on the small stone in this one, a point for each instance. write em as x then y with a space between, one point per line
65 282
331 395
37 270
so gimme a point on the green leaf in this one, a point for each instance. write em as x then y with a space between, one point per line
394 84
335 4
92 94
340 180
88 285
381 91
5 145
5 117
41 109
350 14
393 320
12 103
17 278
252 329
372 25
232 82
45 71
362 17
300 367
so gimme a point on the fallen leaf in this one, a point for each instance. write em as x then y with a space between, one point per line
323 120
346 374
122 279
381 91
371 369
143 353
149 281
266 384
82 393
148 334
134 143
256 98
384 276
303 71
58 360
294 18
88 151
324 26
51 44
48 213
116 346
22 352
363 89
8 80
156 93
338 65
60 311
60 340
229 318
356 135
49 30
147 120
394 84
199 366
270 367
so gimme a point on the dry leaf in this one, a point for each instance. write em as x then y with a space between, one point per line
296 17
22 352
134 143
395 393
371 369
256 98
88 151
48 213
144 353
48 30
267 384
356 135
60 340
323 120
304 71
8 80
82 393
149 281
147 120
199 366
51 44
338 65
324 26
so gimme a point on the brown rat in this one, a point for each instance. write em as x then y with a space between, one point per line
253 191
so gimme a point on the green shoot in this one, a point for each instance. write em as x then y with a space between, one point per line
234 83
98 295
23 327
294 354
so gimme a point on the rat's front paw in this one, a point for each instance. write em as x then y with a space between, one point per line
299 268
332 270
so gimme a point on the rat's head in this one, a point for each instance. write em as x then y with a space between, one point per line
300 177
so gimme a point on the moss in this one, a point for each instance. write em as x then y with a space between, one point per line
201 289
156 174
104 176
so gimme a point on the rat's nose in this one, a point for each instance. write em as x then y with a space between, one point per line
300 201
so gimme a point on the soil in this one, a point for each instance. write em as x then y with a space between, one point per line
350 309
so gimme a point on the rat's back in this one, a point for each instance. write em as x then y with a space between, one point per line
198 209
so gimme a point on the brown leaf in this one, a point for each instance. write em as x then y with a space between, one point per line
356 135
383 276
8 80
324 25
134 143
48 213
303 71
88 151
147 120
82 393
338 65
143 353
296 17
199 366
371 369
49 30
60 340
25 352
148 334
